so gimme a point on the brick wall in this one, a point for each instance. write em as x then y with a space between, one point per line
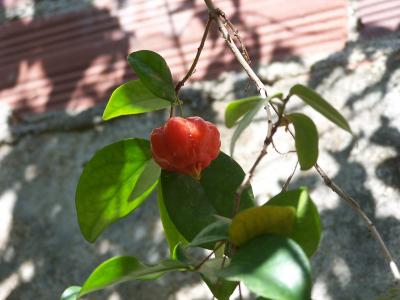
74 60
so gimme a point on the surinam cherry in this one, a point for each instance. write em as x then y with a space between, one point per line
185 145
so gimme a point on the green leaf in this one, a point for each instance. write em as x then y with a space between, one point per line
243 124
306 140
214 232
107 188
220 288
236 109
307 228
180 254
192 205
123 268
132 98
71 293
246 120
147 180
173 236
313 99
154 73
271 266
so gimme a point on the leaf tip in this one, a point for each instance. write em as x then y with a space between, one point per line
106 116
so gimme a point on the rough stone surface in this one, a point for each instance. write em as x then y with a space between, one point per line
42 250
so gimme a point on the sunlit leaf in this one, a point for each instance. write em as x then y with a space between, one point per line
306 140
71 293
313 99
123 268
236 109
247 119
132 98
107 188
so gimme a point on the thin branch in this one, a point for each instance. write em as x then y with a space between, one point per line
192 69
235 50
371 226
172 111
197 267
250 174
215 13
240 292
261 88
269 119
285 186
235 32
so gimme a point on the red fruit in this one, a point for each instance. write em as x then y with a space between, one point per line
185 145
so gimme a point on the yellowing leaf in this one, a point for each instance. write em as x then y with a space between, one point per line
257 221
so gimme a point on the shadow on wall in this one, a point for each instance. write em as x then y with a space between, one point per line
347 251
75 56
339 264
218 66
388 136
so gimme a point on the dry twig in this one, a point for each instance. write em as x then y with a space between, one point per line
192 69
285 186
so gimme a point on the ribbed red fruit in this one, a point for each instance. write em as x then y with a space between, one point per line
185 145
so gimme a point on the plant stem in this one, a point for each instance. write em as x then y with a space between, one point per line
196 59
268 140
214 13
285 186
208 257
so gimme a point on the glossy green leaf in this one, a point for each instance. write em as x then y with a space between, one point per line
247 119
132 98
154 73
313 99
71 293
192 205
173 236
272 266
217 231
236 109
307 228
123 268
108 182
306 140
221 289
